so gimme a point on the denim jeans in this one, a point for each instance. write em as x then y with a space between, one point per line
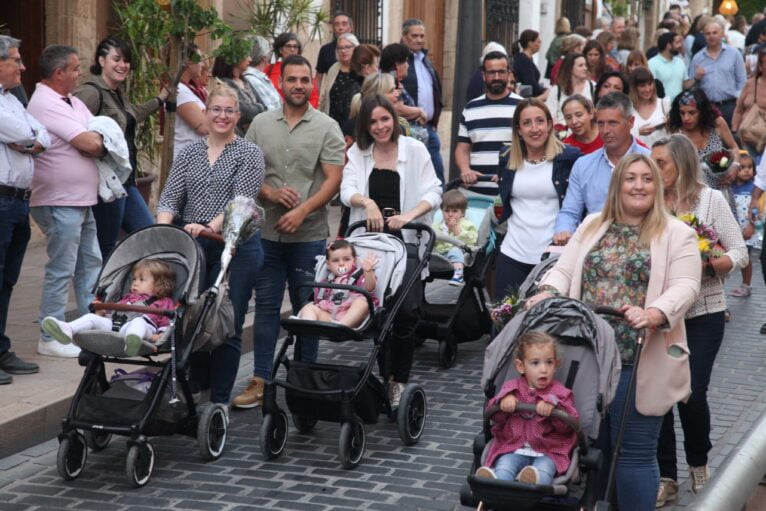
217 370
455 255
294 263
638 477
72 250
704 335
434 149
14 236
129 214
509 274
508 466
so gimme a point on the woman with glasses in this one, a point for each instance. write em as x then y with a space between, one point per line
341 82
206 175
287 44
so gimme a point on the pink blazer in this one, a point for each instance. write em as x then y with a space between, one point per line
674 283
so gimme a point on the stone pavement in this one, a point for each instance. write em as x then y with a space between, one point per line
308 476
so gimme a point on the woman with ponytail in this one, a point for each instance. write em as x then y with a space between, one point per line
524 68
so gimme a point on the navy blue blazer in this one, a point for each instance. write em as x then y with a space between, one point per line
410 83
562 166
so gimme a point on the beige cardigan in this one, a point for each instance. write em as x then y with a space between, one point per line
674 282
327 82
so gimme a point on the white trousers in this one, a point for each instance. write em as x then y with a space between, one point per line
136 326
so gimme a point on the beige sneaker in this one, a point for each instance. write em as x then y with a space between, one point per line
668 491
395 391
252 396
528 475
485 472
698 475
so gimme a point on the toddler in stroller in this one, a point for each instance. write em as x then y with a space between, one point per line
531 448
152 285
456 225
346 307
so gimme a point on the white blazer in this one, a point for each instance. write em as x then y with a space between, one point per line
417 180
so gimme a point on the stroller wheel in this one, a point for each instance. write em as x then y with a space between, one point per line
273 435
411 414
447 354
211 431
139 463
351 444
97 440
419 341
73 452
304 424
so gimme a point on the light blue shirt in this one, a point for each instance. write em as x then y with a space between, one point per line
425 85
588 187
670 72
724 77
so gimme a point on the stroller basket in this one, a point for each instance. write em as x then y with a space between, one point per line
368 404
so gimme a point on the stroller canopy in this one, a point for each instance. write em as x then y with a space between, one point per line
586 343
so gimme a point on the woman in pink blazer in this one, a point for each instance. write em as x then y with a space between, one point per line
635 256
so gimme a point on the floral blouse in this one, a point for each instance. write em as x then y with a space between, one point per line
615 273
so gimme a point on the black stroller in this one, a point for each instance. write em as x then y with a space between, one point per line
590 367
349 394
164 406
467 318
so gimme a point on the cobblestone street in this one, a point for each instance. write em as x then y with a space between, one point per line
308 476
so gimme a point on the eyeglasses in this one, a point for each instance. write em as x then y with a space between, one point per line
499 72
228 112
17 60
292 46
343 48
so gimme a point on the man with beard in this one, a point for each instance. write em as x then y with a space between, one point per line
303 149
485 126
668 65
590 176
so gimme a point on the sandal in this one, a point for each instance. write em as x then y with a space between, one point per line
742 291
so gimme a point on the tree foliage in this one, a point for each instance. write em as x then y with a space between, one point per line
270 18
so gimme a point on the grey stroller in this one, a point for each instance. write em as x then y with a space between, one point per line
590 367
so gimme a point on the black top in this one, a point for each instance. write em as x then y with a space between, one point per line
384 189
526 72
344 88
130 138
327 57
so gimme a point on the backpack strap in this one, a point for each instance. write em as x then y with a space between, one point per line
100 97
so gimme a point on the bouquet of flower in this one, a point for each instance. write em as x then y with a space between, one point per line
561 131
707 238
502 312
719 161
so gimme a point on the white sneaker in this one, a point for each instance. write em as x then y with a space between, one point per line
56 349
395 391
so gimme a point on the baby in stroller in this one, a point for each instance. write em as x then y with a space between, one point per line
345 307
152 286
531 448
455 225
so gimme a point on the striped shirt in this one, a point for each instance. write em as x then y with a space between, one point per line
486 125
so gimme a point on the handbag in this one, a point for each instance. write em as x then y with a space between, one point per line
752 129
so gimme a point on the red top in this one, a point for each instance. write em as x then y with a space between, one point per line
545 435
157 320
555 69
275 71
588 148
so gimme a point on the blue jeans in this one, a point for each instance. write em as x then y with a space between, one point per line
217 370
508 466
72 249
704 335
434 149
129 214
14 236
638 476
294 263
455 255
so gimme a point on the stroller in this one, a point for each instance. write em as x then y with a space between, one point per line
351 395
468 318
590 367
158 400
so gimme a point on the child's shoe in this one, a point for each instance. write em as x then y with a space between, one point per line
486 472
132 345
59 330
528 475
457 280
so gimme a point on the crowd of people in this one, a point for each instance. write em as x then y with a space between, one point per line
600 154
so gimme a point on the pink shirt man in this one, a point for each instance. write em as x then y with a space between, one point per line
63 177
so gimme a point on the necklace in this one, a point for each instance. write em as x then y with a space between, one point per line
535 162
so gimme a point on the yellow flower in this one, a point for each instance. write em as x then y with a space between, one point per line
687 218
704 245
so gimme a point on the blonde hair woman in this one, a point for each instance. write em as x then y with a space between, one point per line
685 192
635 231
206 175
534 174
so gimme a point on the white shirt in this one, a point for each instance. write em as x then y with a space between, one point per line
17 127
535 206
658 116
425 85
556 98
184 134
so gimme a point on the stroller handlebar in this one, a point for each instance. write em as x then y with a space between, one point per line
212 236
530 408
605 310
123 307
458 182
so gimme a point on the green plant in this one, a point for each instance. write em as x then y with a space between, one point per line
270 18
